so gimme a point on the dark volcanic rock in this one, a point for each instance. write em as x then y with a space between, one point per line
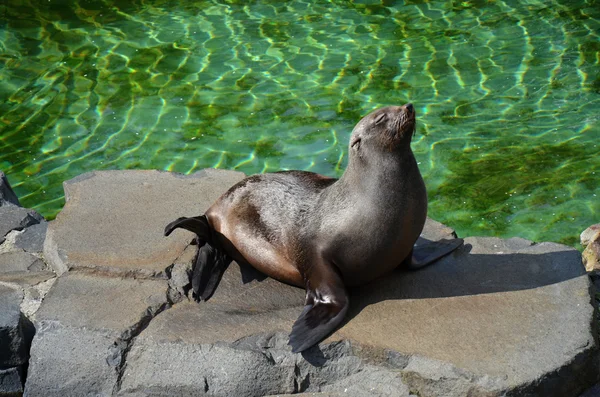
16 218
11 383
15 330
32 238
7 196
593 391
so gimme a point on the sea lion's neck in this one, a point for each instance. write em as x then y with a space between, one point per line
381 169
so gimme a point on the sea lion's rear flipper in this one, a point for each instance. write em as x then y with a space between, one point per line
428 253
325 307
211 262
210 265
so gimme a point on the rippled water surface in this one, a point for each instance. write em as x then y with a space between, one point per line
507 95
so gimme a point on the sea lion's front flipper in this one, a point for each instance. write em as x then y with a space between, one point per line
325 307
210 265
428 253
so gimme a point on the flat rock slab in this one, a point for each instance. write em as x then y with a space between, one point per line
495 317
84 327
114 220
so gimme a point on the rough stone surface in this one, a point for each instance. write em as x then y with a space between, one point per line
591 256
255 366
15 329
34 295
25 272
20 261
9 242
69 361
33 287
11 383
495 317
16 218
325 394
504 310
590 240
32 238
593 391
114 220
7 196
84 328
179 279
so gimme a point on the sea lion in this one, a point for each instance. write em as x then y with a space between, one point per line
320 233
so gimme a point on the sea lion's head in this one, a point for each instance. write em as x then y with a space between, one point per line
387 129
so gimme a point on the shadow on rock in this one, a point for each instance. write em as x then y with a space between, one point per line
494 266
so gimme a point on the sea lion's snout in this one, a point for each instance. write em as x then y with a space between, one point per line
404 120
409 111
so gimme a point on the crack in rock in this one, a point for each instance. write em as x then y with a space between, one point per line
124 342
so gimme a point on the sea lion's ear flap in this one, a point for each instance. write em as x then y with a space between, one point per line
325 308
197 224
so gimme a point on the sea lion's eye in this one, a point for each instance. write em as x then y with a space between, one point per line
380 118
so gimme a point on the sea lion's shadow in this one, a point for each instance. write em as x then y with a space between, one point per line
249 274
463 273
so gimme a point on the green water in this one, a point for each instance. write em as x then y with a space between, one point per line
507 96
